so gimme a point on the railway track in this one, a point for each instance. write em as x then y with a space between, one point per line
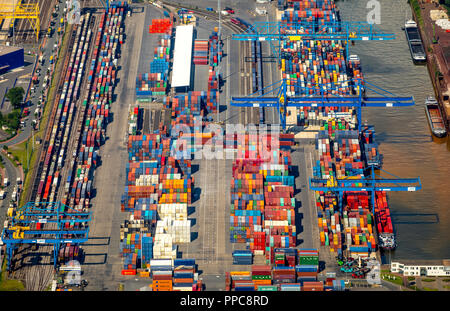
247 115
23 32
31 265
51 121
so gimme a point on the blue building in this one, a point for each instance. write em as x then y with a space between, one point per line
10 58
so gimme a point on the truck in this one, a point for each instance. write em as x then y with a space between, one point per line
5 182
2 195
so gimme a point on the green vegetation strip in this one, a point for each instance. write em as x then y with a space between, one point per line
393 279
447 286
430 289
416 7
428 280
9 285
445 280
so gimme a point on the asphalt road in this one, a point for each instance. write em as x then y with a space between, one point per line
40 88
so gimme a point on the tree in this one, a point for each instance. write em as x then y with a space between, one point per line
15 96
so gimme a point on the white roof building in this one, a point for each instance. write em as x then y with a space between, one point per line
422 268
182 59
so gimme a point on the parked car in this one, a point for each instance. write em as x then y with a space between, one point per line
229 10
235 21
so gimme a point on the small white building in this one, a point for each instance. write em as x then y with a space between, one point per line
422 268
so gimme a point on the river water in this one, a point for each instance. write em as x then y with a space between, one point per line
421 219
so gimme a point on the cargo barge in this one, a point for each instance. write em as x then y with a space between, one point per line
386 236
415 42
434 116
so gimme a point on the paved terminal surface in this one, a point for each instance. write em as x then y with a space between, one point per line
102 266
210 242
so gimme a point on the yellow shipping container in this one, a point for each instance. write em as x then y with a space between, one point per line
144 274
240 273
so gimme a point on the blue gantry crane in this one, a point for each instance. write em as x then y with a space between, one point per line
275 32
45 223
302 30
281 100
371 183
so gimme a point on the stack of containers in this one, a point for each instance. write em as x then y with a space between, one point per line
215 49
261 275
288 277
133 116
185 276
239 281
213 91
358 224
187 105
242 257
382 214
283 274
247 202
68 253
201 48
144 210
161 273
164 247
321 64
317 66
161 26
154 84
308 265
134 234
313 286
264 189
285 257
96 105
371 154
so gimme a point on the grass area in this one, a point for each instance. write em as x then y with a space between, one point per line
445 280
19 152
9 285
430 289
411 278
392 278
446 286
428 280
416 7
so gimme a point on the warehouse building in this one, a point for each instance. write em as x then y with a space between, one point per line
181 75
422 268
10 58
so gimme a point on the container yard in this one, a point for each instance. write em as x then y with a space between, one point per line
172 161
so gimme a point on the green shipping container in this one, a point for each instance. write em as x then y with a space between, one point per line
261 277
267 288
310 260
